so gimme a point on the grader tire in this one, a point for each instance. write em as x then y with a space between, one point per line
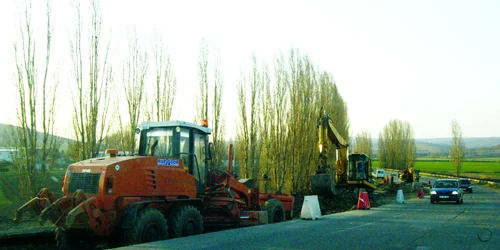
275 211
150 225
185 221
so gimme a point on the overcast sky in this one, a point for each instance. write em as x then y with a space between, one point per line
424 62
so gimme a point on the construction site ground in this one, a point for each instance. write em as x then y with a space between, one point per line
345 201
30 235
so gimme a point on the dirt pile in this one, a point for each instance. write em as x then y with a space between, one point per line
345 201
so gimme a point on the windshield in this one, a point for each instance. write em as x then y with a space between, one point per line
446 184
160 142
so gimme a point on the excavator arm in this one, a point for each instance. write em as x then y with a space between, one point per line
328 132
323 182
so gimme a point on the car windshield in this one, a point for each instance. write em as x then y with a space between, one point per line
465 182
446 184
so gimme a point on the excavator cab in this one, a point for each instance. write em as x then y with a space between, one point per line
178 140
359 167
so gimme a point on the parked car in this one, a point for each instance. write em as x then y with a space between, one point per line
446 190
380 173
465 184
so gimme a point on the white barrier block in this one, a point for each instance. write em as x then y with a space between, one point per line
310 208
400 197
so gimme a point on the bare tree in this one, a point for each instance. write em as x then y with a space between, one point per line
134 77
202 104
457 149
90 96
210 98
277 127
266 138
34 155
165 84
363 143
397 145
242 135
217 120
247 132
302 96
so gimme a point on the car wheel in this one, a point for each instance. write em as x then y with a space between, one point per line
432 202
471 191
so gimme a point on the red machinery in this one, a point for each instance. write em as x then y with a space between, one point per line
169 190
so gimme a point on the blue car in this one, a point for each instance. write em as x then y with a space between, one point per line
465 184
446 190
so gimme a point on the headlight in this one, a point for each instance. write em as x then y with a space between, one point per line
433 192
454 192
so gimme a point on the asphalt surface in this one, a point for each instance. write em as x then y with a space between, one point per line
415 224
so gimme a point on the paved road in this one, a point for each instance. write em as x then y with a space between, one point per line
416 224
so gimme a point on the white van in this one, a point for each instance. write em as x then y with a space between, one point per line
380 173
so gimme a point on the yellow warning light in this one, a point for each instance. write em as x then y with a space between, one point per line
204 123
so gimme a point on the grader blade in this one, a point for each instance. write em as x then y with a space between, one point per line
56 213
88 215
43 200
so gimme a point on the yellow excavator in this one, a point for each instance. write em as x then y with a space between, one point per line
351 171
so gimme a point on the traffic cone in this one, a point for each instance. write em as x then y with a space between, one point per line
400 197
363 201
420 193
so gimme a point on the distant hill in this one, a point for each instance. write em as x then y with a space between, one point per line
472 142
476 146
6 130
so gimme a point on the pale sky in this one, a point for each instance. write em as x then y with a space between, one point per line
424 62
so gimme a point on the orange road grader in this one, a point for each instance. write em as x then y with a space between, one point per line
170 189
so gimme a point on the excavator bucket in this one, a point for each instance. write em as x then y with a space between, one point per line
323 184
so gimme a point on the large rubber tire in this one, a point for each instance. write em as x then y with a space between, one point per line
275 211
75 240
150 225
184 221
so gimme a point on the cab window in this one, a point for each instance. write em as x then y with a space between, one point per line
184 147
160 142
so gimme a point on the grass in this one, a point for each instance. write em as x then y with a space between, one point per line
10 198
3 199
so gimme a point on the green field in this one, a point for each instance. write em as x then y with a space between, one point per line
488 170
